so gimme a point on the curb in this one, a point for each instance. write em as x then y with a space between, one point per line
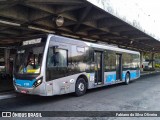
149 73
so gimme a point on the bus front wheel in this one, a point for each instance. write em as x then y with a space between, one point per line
80 87
127 79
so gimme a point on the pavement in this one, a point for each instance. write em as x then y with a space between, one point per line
11 94
149 72
142 94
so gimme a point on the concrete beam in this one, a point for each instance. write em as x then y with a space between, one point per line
65 2
47 8
7 60
69 22
35 15
96 15
153 62
117 10
7 2
82 17
11 32
92 24
8 5
46 23
121 28
18 13
132 34
96 32
108 22
69 15
65 8
114 37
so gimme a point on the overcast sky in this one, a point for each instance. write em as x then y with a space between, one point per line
146 12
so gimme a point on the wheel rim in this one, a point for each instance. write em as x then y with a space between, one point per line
127 78
81 87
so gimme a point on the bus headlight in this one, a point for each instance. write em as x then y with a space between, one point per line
37 82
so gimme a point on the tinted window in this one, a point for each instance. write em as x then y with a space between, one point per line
80 59
28 60
130 61
57 58
109 61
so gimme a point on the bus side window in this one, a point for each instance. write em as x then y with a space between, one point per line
49 57
57 58
61 58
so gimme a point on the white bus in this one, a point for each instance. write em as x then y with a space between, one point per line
55 65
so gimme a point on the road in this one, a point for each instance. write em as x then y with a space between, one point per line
140 95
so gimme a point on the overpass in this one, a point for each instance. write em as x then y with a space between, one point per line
23 19
20 19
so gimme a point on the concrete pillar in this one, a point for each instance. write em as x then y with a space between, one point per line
153 62
7 59
141 61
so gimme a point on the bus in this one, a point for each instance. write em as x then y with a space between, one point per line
55 65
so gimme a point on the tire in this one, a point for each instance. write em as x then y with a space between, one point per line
80 87
127 79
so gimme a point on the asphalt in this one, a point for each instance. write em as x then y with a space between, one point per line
142 94
10 93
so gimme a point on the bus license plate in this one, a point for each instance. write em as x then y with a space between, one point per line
23 91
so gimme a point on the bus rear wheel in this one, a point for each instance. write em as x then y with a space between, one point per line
80 87
127 79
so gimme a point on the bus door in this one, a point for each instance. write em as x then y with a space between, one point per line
118 66
98 67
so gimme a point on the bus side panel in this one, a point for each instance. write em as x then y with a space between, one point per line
63 78
63 85
110 77
124 75
134 74
131 64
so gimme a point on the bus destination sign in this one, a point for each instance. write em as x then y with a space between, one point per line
33 41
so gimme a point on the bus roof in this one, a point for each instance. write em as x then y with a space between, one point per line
109 47
94 45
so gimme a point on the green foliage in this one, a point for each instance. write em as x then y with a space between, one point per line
157 65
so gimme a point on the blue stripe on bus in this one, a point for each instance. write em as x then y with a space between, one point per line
133 75
123 76
112 77
25 83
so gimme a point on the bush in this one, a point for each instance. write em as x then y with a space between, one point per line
157 65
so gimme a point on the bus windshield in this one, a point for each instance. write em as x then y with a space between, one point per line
28 60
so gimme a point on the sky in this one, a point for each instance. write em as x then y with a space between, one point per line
145 12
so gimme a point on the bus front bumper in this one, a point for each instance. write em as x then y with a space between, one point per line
40 90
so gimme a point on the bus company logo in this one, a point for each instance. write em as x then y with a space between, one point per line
6 114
